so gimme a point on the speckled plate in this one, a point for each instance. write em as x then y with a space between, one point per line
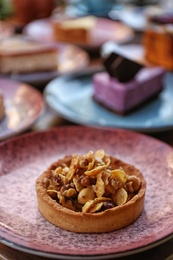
72 98
23 106
24 158
104 30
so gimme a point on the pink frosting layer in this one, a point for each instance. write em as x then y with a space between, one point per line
123 97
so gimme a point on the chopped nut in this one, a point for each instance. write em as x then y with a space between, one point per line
136 183
120 196
46 182
89 183
85 180
85 195
69 193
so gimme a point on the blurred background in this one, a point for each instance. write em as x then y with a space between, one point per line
141 30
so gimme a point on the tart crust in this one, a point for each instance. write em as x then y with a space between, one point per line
106 221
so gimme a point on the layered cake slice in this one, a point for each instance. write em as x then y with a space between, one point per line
22 55
125 84
74 30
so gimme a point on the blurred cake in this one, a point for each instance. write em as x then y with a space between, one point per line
158 40
74 30
22 55
126 84
2 107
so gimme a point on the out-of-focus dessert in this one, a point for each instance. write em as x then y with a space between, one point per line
89 193
6 29
74 30
89 30
126 84
158 40
2 107
27 11
23 55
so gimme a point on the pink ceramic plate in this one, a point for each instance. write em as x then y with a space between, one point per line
104 30
23 105
24 158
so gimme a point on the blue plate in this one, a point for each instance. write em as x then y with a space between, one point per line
72 98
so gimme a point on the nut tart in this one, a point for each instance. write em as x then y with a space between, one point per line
91 193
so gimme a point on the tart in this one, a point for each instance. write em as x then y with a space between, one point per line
91 193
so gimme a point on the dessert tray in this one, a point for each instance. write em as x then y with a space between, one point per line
72 98
23 105
24 158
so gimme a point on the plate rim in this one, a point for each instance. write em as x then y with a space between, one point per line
35 118
89 257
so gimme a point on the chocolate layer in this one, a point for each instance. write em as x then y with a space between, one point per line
121 68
